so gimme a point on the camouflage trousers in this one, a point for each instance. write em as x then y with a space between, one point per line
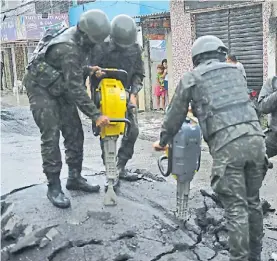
126 149
271 144
54 115
237 174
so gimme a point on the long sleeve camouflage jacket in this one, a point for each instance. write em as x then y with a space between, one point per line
71 59
268 100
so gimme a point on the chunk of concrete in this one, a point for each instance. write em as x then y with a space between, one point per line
30 240
5 216
5 256
53 232
180 238
204 253
191 225
223 238
13 228
215 216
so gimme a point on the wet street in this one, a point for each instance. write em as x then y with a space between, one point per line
141 227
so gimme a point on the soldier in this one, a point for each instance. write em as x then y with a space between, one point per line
54 84
268 105
230 126
233 59
122 52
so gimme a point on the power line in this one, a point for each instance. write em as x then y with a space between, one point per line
114 3
153 7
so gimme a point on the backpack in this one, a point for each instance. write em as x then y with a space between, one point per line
49 34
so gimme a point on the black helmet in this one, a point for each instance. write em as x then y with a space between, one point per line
208 43
124 30
95 24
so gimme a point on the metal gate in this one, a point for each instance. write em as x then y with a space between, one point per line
241 29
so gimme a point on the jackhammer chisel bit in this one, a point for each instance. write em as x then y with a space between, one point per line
110 198
182 200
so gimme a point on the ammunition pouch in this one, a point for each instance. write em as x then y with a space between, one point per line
43 73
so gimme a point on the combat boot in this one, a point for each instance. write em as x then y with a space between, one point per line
76 182
123 174
55 193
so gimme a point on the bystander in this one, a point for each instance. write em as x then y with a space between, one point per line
233 59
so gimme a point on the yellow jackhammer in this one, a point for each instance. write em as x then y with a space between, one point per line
110 97
183 155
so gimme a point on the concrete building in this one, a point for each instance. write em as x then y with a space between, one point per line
23 22
248 28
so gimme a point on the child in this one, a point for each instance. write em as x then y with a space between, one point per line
159 89
165 75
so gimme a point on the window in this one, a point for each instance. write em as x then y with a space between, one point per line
52 7
42 7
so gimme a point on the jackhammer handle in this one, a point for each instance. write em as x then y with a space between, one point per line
126 121
161 168
199 161
96 130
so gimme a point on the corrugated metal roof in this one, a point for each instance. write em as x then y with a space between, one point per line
153 15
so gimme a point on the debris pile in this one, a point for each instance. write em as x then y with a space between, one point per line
138 229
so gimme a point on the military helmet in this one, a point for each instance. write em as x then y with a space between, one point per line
208 43
123 30
95 24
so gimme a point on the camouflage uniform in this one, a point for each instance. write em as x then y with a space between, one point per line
230 126
109 55
54 90
268 105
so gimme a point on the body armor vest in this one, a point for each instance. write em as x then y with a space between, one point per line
42 72
220 97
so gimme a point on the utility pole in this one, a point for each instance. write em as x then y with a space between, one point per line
51 7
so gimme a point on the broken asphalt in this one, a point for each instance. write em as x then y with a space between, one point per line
141 227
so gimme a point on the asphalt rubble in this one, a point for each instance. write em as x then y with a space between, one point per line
140 227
